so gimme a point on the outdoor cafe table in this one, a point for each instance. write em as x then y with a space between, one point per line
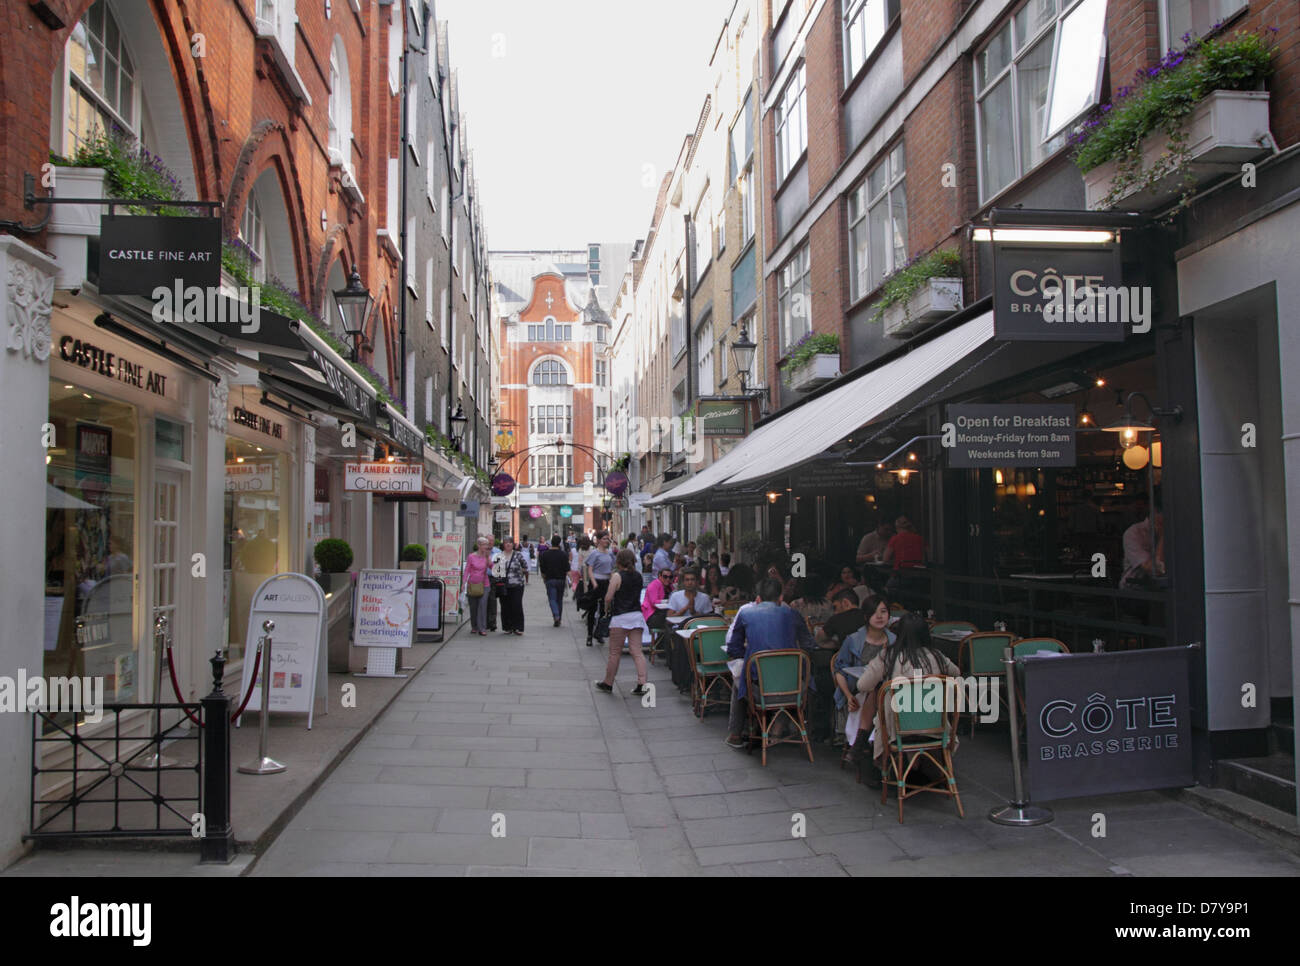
948 643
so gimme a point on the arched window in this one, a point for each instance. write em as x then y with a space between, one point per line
340 106
102 92
265 228
550 372
252 231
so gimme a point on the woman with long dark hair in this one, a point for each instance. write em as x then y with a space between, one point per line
713 581
910 653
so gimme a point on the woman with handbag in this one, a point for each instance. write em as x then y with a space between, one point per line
623 619
513 578
475 579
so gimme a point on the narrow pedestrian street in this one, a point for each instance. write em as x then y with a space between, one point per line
500 758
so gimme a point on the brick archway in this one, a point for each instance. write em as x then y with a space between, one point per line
268 146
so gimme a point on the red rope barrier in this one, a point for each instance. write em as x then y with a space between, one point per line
257 663
176 687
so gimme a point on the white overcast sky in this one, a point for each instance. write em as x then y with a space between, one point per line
567 101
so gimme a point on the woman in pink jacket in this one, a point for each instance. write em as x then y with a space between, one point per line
475 577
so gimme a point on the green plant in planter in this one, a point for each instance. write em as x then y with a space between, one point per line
130 171
907 281
414 552
707 542
333 555
1160 100
822 343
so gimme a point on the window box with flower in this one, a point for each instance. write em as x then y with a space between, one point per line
813 361
928 288
1197 115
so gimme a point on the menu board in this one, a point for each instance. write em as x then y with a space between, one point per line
385 611
296 604
446 557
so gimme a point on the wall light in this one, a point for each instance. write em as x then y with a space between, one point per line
1048 235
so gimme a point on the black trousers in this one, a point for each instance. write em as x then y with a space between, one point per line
512 609
598 609
491 609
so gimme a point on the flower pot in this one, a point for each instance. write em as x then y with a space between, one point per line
71 225
936 299
817 371
410 564
1225 130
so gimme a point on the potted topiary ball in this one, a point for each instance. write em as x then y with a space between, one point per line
413 556
333 555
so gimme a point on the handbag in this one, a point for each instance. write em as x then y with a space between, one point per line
474 589
602 626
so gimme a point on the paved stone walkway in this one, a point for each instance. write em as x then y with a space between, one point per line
507 734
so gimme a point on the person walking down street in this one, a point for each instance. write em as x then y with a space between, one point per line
477 585
623 603
554 565
599 567
514 571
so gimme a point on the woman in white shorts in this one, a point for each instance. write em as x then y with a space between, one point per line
623 604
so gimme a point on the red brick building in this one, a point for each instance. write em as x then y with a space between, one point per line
554 429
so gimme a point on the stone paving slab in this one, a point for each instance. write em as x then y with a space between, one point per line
501 759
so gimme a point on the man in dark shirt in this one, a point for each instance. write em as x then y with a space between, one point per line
846 619
554 565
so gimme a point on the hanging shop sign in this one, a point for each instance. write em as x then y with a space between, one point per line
1063 294
1106 723
250 477
257 422
141 253
299 659
566 511
383 478
722 417
536 512
991 435
827 477
501 516
112 365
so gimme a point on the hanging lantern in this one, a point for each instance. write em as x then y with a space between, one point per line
616 482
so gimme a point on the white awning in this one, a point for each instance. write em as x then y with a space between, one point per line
802 434
810 429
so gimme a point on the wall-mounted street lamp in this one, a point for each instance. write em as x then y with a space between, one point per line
742 357
354 305
458 423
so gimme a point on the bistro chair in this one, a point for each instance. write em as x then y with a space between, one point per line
980 656
709 669
914 734
776 687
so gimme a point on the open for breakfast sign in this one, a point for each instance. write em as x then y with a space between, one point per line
385 612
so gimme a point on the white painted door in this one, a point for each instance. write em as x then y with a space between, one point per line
168 514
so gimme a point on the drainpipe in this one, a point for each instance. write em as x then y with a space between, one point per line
401 244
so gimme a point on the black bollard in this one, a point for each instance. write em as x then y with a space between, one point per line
218 844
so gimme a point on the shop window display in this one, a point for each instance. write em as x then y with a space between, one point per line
90 546
256 528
